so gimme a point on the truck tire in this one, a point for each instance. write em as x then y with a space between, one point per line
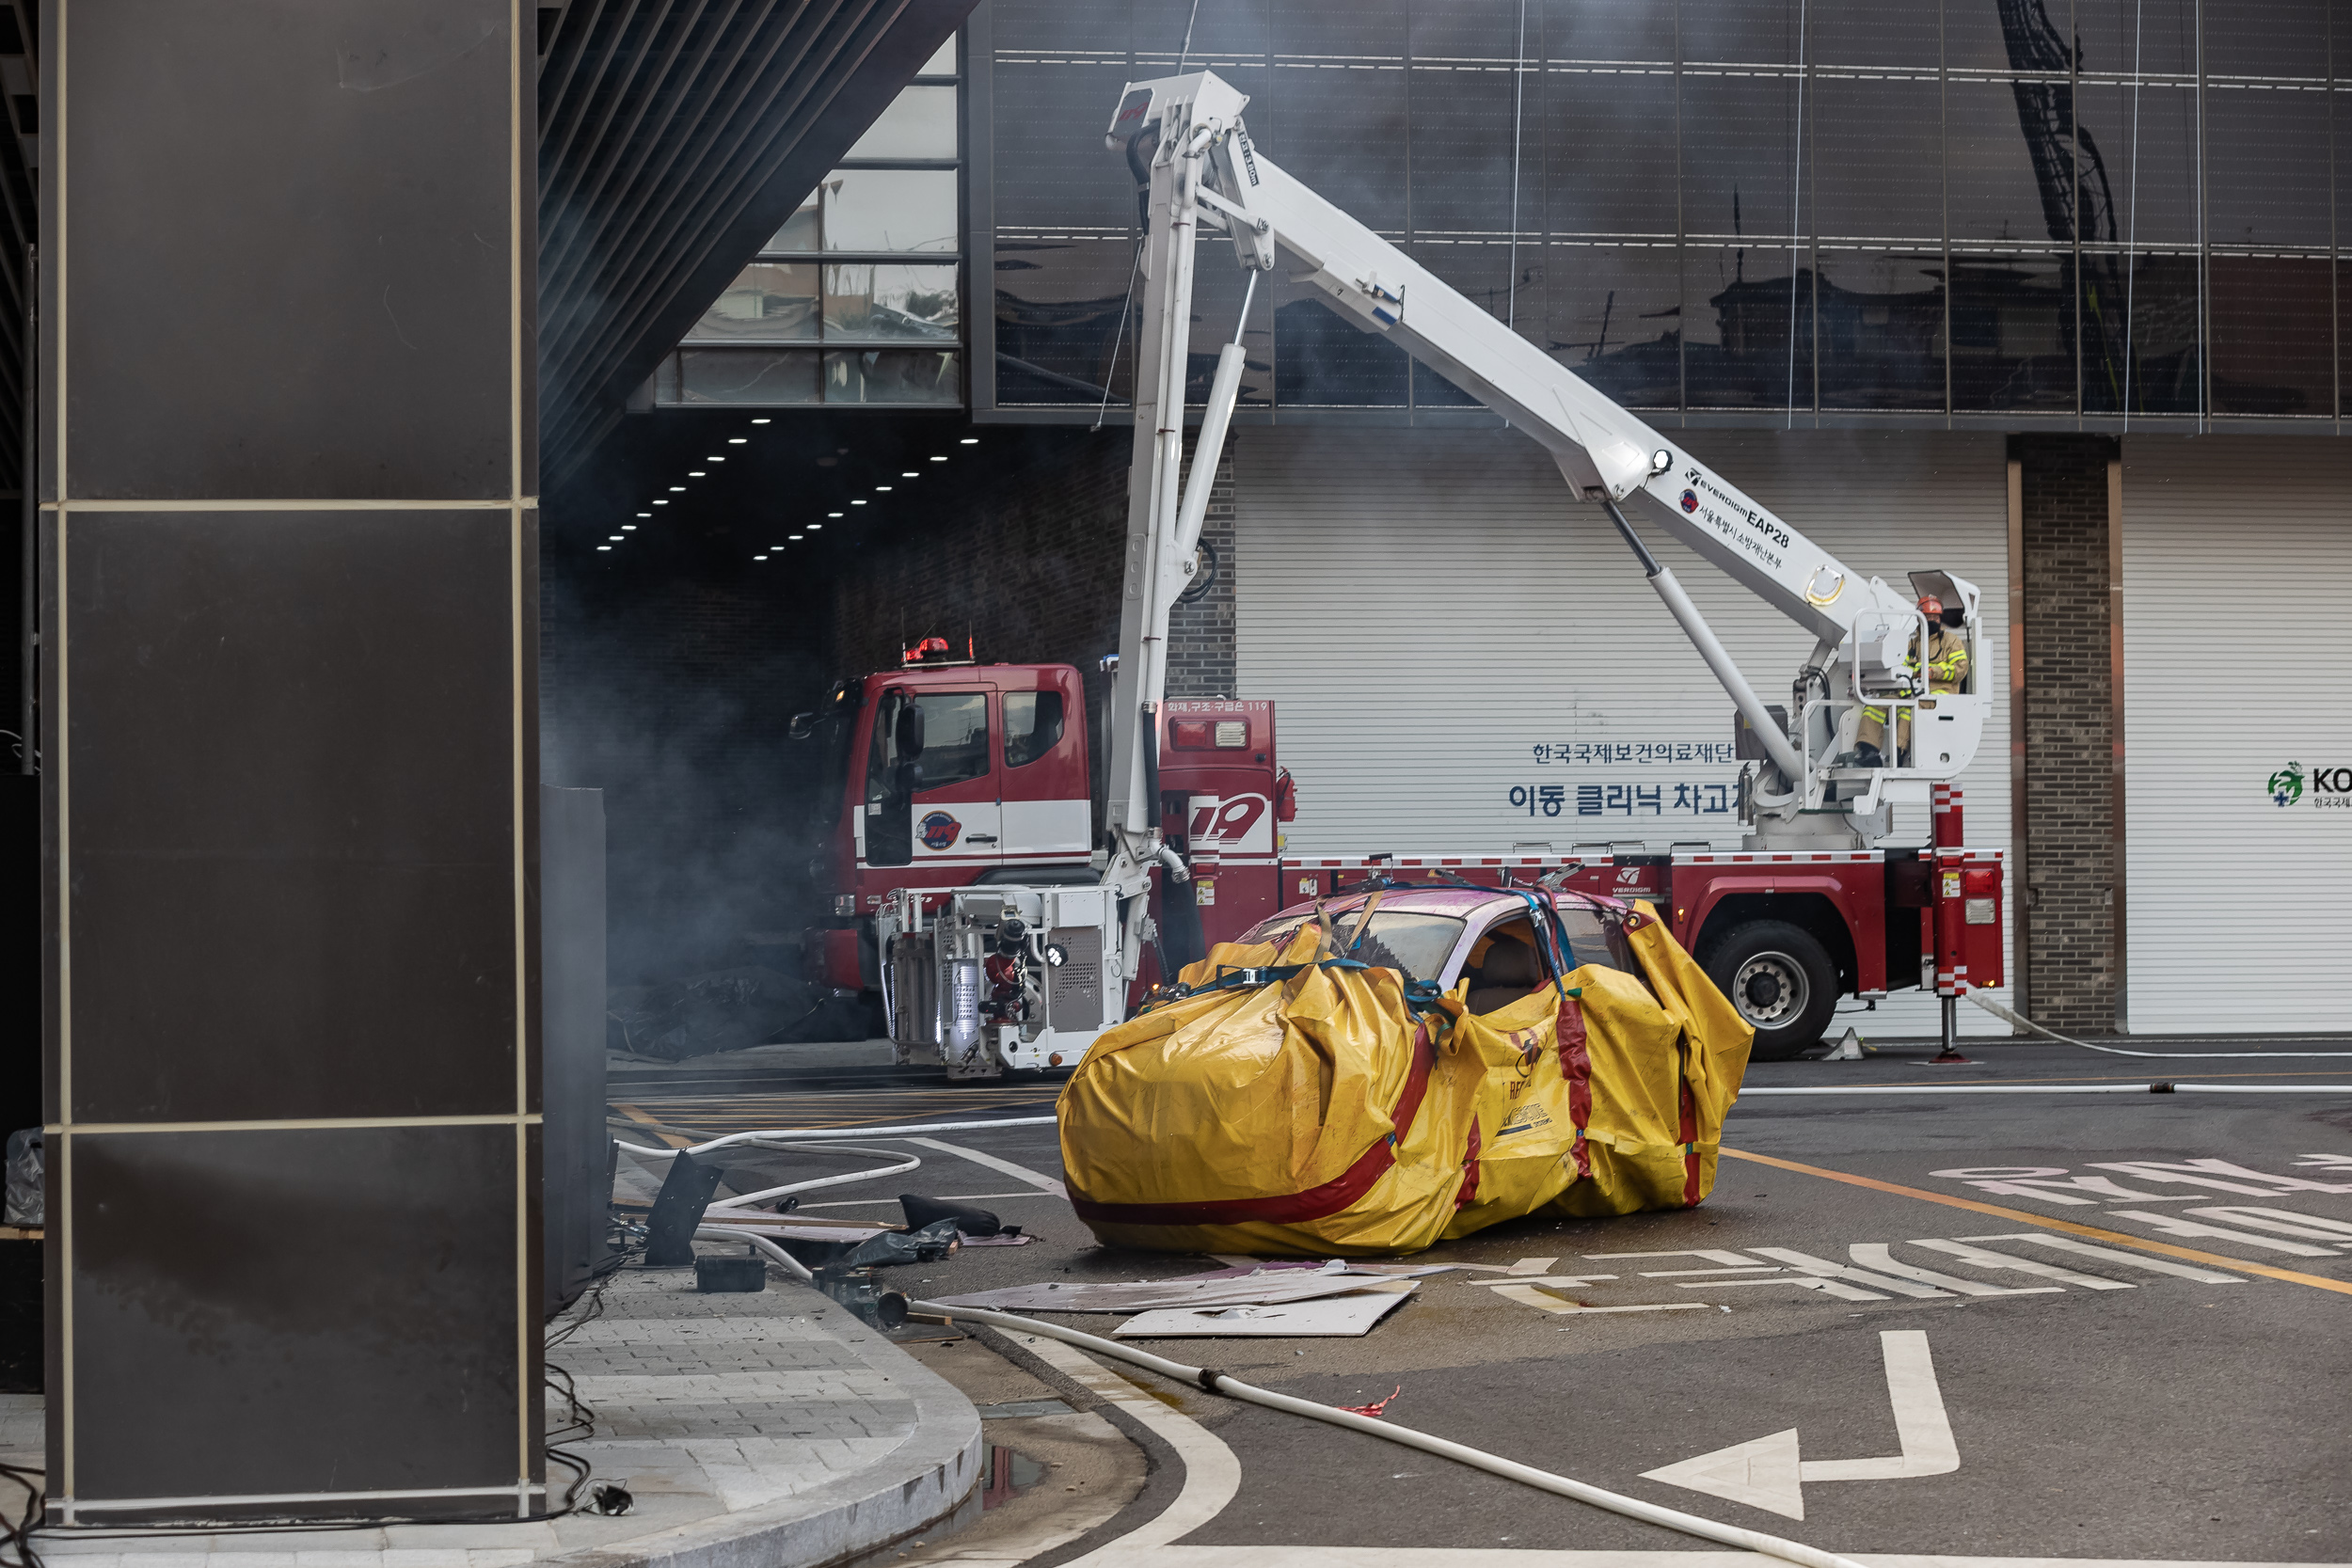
1782 981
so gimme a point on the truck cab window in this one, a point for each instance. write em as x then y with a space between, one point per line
1033 721
953 745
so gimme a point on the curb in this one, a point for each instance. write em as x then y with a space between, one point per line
923 1480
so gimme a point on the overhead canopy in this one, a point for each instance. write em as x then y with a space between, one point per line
675 137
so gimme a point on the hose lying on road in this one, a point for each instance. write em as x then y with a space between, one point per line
802 1141
2006 1016
1493 1464
771 1132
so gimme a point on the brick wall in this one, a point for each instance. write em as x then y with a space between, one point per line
1026 562
1200 635
2069 779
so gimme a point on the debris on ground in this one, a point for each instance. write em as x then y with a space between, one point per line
1223 1288
921 1210
886 1248
1337 1317
1376 1406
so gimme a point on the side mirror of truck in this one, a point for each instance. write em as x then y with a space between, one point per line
801 726
910 736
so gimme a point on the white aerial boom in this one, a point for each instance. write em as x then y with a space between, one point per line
1872 643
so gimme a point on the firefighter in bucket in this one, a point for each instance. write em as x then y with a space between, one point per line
1947 672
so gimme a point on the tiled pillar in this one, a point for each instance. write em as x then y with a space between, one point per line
288 571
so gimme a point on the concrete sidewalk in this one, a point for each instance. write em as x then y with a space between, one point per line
772 1429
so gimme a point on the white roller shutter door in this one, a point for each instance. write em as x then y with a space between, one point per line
1450 640
2237 573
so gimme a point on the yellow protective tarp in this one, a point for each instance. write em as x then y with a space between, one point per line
1320 1115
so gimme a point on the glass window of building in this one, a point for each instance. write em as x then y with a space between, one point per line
859 297
1756 212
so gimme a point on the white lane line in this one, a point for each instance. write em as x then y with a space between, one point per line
1921 1427
1874 1254
2175 1225
1506 1557
2112 1256
1977 1258
1211 1473
1003 1167
1548 1301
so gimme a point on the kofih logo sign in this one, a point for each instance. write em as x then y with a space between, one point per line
2327 786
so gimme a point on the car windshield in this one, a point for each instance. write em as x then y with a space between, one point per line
1418 944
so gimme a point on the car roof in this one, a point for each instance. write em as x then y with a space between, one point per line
1462 903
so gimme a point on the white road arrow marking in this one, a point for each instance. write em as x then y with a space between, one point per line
1768 1473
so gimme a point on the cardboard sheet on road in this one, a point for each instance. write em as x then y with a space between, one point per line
1220 1290
1330 1318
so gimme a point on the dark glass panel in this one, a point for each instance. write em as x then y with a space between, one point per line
1998 190
1052 168
769 302
1058 310
1340 29
2013 344
2272 329
1609 152
2149 156
1223 32
2164 373
1050 26
1973 38
1747 32
1463 146
746 375
1342 132
1882 329
1738 305
2265 169
2109 297
929 377
1482 274
1739 147
1473 29
1320 359
1607 30
1877 157
1614 315
1872 31
2266 38
2152 38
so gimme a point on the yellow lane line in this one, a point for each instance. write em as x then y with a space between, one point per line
2047 1223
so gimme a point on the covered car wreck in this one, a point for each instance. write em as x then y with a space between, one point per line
1377 1073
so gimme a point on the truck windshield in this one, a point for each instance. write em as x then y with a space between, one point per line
1418 944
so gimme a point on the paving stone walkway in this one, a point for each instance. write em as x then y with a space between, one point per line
770 1428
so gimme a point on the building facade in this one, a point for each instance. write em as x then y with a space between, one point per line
2041 292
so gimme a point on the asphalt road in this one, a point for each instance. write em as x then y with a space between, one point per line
2040 1383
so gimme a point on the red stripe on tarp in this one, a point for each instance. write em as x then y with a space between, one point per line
1469 1194
1690 1145
1576 1066
1312 1204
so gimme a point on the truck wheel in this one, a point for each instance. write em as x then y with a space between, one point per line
1782 981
